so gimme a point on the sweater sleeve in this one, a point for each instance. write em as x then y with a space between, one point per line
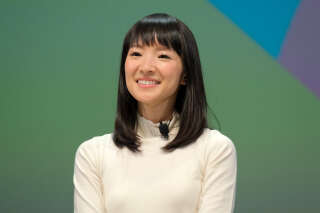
88 195
219 181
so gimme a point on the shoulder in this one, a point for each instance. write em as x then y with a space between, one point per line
95 146
90 154
214 142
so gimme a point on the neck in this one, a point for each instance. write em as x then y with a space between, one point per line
155 113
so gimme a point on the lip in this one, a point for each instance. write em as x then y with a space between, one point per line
147 85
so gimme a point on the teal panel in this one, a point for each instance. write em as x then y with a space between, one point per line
266 21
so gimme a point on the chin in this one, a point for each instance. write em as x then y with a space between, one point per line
146 97
146 101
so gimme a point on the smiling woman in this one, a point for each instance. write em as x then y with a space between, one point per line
153 75
161 157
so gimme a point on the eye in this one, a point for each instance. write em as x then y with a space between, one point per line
164 56
135 53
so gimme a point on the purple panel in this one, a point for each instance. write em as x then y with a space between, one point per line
301 50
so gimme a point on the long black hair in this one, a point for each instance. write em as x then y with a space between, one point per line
191 103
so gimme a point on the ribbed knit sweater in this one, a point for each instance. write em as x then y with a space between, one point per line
199 178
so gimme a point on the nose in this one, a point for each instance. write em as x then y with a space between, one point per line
147 64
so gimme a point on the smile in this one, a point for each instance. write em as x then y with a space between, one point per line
147 83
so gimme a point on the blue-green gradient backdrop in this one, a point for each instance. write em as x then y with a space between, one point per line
58 82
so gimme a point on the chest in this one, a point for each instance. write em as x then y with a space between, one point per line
169 182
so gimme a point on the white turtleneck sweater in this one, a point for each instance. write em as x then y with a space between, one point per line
200 178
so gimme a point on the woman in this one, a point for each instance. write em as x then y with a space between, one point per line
161 156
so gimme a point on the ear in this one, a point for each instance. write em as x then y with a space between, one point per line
183 79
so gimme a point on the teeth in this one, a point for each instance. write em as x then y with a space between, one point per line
147 82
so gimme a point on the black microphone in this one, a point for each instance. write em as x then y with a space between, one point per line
164 130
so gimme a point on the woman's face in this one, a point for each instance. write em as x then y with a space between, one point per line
153 74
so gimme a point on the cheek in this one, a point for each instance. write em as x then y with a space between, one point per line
127 67
128 70
174 74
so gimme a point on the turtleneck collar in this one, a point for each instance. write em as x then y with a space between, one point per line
148 129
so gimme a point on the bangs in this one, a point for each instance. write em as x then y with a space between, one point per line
151 32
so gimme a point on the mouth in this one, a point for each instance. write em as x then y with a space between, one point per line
147 83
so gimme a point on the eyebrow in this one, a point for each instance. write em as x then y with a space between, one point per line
162 47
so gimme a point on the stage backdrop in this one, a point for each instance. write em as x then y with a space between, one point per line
58 82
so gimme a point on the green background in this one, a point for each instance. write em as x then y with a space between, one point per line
58 82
